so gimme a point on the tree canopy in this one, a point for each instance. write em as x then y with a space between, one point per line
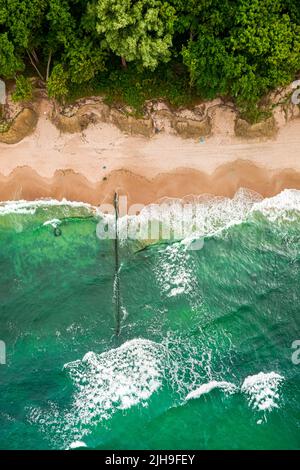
254 47
137 30
236 48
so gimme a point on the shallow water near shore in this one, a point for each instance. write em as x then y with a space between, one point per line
204 355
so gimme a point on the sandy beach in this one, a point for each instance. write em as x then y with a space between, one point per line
92 165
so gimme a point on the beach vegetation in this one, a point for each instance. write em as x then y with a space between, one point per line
57 84
24 89
134 50
134 86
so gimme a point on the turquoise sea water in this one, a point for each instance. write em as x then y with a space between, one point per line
204 355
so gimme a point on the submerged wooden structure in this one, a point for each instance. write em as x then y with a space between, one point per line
117 295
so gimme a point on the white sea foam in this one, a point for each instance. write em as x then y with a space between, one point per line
211 214
196 217
174 272
77 444
104 383
227 387
30 207
53 222
262 390
189 218
117 379
184 219
280 205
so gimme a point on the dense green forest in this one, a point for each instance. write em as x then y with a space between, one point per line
132 50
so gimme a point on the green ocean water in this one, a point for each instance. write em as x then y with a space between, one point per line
204 355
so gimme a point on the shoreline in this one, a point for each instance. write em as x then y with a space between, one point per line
89 166
24 183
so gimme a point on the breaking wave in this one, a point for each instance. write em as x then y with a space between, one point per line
195 217
181 219
30 207
261 390
227 387
104 383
